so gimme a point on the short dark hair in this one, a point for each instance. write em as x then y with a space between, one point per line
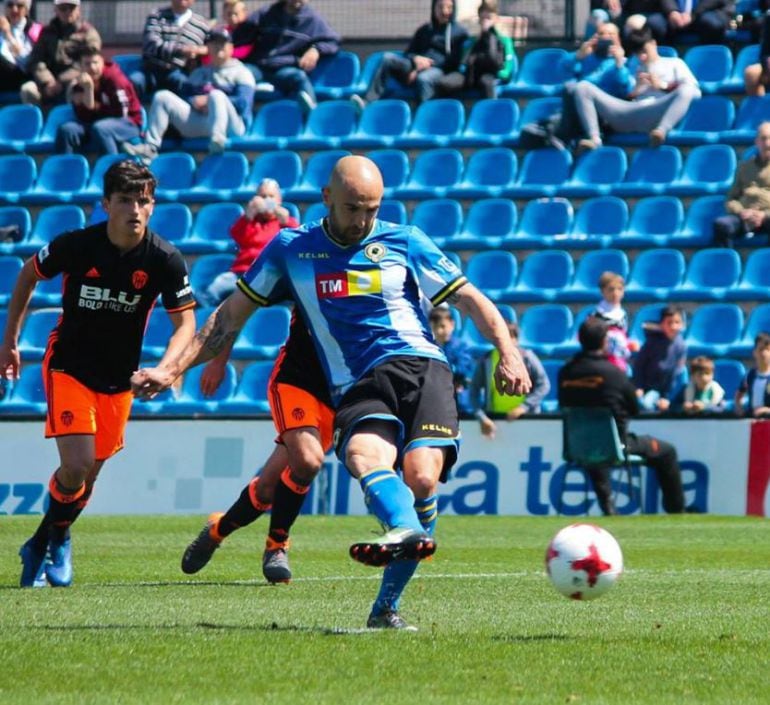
637 38
701 363
440 313
86 51
762 340
128 176
671 310
592 334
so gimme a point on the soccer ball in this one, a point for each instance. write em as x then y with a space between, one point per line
583 561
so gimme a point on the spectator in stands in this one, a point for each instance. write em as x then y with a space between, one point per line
107 110
435 49
757 76
664 89
708 19
703 394
234 16
611 311
18 34
598 17
748 200
649 13
756 383
488 61
659 368
590 380
288 39
486 398
173 42
217 104
263 218
51 63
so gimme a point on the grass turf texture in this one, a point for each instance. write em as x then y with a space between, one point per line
687 623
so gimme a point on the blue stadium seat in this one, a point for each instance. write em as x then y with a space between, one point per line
283 166
394 89
595 173
542 223
488 173
51 222
712 65
654 220
17 176
394 167
19 217
392 211
10 267
654 274
550 404
61 178
751 112
336 76
698 229
714 329
47 140
493 272
275 124
128 63
48 293
436 124
710 275
327 126
35 331
434 172
206 268
315 176
585 285
598 223
218 178
95 187
263 335
381 124
98 214
488 223
157 334
315 211
729 374
546 329
706 119
175 172
755 282
191 399
478 343
251 393
173 222
649 313
491 122
211 229
537 110
28 393
746 56
544 276
759 322
650 172
542 172
20 126
147 408
543 72
441 219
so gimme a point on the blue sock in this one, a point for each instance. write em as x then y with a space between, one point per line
399 573
391 501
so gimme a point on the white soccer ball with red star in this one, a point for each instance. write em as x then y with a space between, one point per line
583 561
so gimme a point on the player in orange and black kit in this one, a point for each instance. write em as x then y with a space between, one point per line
113 273
301 409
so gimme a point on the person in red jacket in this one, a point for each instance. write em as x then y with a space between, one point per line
263 218
107 109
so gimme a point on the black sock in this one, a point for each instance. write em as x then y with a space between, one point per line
60 532
246 509
62 511
287 504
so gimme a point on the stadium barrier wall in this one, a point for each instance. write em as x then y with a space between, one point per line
194 467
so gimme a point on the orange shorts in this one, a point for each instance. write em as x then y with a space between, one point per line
74 409
293 407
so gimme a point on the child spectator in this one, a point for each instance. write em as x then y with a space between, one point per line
660 365
609 309
234 16
487 399
703 393
757 381
18 34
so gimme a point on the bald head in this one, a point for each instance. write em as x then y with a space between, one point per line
353 197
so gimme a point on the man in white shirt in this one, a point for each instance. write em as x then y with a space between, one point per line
664 89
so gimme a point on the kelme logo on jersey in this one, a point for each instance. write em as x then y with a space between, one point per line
354 283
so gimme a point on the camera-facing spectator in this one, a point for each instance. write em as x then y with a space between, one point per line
18 34
51 63
756 384
611 311
703 394
107 109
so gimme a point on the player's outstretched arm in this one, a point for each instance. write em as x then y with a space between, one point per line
217 333
10 361
511 376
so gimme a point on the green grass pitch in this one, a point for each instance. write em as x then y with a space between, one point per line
689 622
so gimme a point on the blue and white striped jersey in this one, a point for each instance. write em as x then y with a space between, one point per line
362 302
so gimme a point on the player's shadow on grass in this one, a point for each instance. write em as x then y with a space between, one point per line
272 627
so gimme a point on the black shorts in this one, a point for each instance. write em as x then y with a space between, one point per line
415 393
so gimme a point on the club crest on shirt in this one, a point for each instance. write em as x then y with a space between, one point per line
139 279
67 417
375 251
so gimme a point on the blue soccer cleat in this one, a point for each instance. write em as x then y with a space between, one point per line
58 567
32 567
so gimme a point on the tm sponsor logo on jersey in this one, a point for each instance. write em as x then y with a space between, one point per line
97 297
354 283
